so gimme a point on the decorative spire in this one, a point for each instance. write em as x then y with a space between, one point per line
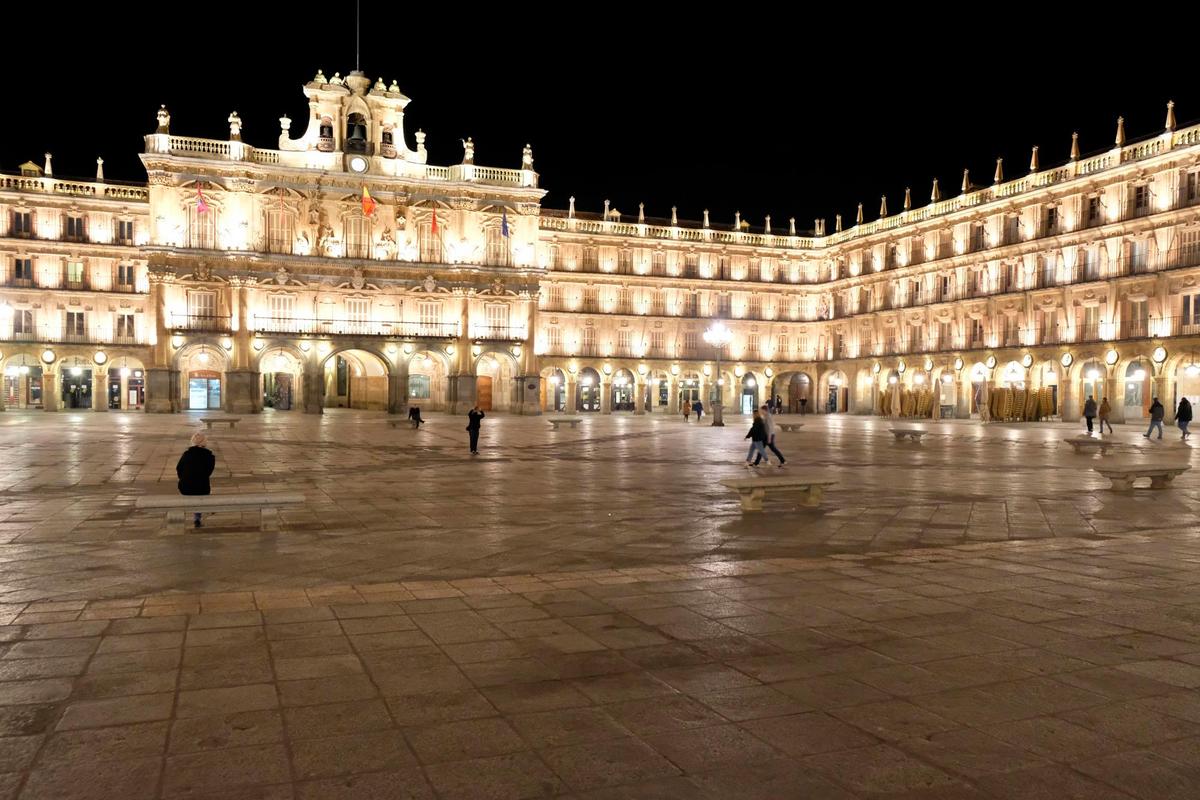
420 137
49 170
858 220
791 226
641 213
966 184
1170 115
1120 142
907 198
606 204
1033 160
235 127
164 120
737 221
285 123
837 223
1075 146
936 195
882 206
818 227
674 216
767 225
99 170
706 217
999 176
571 207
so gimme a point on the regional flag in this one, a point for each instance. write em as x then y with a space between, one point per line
201 205
368 202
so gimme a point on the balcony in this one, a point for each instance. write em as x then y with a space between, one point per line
58 334
203 323
355 327
499 333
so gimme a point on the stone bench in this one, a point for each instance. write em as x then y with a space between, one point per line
1090 444
789 427
178 507
230 421
751 491
572 421
1122 476
914 434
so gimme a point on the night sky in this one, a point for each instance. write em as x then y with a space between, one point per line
787 114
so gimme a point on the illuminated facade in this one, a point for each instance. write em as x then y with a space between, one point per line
241 277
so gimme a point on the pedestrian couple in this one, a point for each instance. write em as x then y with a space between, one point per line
1183 418
762 436
1090 411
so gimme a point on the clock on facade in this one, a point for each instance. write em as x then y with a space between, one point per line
358 164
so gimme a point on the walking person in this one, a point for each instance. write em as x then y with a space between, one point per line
769 424
1105 410
473 418
698 408
1183 417
1089 411
194 469
414 416
687 409
1157 412
758 439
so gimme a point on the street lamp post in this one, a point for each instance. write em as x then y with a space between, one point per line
718 336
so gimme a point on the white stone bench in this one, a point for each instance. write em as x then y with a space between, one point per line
914 434
789 427
1122 476
178 507
230 421
751 491
572 421
1090 443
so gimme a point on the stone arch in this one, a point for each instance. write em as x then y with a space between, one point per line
426 379
589 387
495 379
281 369
355 377
202 365
553 389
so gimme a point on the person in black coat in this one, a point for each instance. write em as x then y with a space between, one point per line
1183 416
194 469
758 439
414 416
473 418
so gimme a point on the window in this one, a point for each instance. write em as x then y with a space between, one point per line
945 334
1193 186
589 258
755 306
202 304
497 318
418 387
914 292
282 306
753 345
724 304
947 286
202 229
74 229
658 264
555 297
125 330
589 341
554 339
623 306
358 309
1089 264
691 267
1138 251
976 332
1051 226
431 243
658 343
23 322
1012 229
358 237
279 231
1136 318
1190 316
689 342
125 277
124 231
783 346
496 247
1141 199
23 271
22 225
75 324
624 347
590 299
74 274
431 316
1049 270
1091 323
976 240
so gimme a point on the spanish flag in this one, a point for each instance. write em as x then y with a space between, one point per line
368 202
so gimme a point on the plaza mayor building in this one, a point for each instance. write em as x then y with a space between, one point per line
341 269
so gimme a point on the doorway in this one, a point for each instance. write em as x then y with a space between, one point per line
483 392
76 388
204 391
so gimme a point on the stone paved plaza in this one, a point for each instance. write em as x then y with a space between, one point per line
588 614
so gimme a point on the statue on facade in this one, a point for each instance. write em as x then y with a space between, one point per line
527 158
823 312
468 150
387 243
325 240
